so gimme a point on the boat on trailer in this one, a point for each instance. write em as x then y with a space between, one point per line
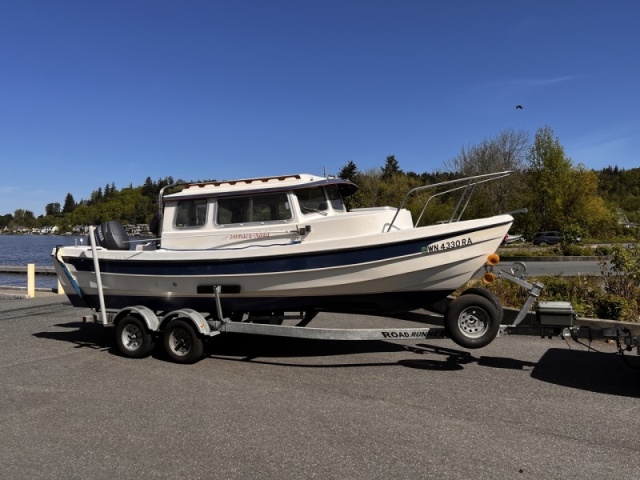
256 250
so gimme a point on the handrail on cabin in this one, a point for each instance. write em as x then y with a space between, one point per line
468 187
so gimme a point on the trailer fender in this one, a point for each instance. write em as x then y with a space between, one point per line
199 322
142 312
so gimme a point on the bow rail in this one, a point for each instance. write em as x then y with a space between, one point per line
467 185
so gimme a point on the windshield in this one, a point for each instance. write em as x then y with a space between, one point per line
312 200
335 198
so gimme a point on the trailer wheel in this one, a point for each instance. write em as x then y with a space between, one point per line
132 337
472 321
489 295
182 343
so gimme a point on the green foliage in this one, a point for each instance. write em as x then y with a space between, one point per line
52 209
69 204
588 295
557 194
128 206
348 172
614 307
621 189
391 169
6 220
623 276
572 234
24 218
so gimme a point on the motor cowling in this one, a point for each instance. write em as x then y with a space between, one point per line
112 236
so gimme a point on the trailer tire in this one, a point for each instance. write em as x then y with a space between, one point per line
489 295
133 338
472 321
182 343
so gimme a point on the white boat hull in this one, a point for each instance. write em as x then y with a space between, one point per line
391 271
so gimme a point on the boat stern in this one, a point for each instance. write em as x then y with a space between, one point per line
67 280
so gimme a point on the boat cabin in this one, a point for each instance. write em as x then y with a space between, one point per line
267 211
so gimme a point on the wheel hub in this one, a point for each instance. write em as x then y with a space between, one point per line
180 342
473 322
132 337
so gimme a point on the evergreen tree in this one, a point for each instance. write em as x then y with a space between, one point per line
349 172
69 204
390 168
96 196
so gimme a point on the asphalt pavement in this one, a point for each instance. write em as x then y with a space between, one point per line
260 407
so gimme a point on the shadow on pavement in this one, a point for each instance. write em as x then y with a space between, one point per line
606 373
265 349
83 335
592 371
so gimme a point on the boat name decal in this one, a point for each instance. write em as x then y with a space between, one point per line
419 334
249 236
448 245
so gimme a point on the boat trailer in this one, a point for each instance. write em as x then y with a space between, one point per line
183 331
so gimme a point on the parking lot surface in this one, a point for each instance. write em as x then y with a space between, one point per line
268 408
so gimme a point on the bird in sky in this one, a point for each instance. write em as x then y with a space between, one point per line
519 107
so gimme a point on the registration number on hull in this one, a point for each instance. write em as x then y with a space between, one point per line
447 245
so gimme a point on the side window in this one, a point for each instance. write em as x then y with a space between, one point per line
191 213
233 210
258 208
312 200
336 199
270 207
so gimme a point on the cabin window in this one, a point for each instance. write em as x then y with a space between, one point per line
191 213
335 198
270 207
312 200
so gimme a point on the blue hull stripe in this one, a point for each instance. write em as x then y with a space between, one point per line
268 264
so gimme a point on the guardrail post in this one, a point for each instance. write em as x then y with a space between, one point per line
31 280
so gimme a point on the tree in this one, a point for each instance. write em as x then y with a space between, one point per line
349 172
96 196
562 196
390 168
368 188
549 180
52 209
5 220
504 152
149 188
69 204
24 218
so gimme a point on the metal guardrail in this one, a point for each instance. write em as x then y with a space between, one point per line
23 269
30 270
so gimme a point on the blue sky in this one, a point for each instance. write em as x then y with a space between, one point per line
95 92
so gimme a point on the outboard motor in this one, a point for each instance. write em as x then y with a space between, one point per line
112 236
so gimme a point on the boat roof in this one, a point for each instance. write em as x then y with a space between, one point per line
262 185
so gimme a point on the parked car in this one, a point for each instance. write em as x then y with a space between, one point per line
549 238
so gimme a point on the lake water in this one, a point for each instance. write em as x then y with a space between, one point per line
24 249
